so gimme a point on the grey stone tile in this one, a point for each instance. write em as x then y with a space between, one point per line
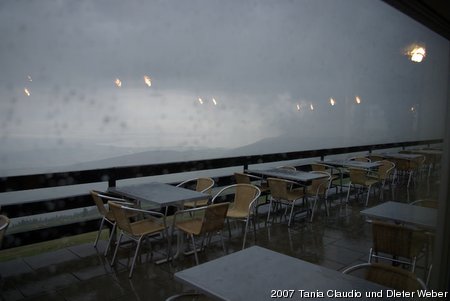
50 258
14 267
93 271
10 293
98 288
49 296
42 286
86 250
341 255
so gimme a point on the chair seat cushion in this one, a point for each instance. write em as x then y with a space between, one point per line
193 204
146 226
191 226
295 194
236 213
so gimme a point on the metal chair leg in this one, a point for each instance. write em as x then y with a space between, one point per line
195 248
229 228
99 232
117 248
367 198
270 209
290 215
245 234
111 238
135 257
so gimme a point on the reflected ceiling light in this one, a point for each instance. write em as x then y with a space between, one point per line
29 78
148 80
298 107
26 91
357 100
416 53
118 83
332 101
413 109
200 100
214 101
311 107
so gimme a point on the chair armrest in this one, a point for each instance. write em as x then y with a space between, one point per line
182 295
155 213
111 198
252 176
186 211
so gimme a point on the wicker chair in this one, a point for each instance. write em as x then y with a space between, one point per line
384 175
243 178
409 168
201 185
429 203
359 178
154 223
335 173
292 168
360 159
389 276
242 207
100 199
4 223
376 158
396 243
188 296
281 193
202 221
318 190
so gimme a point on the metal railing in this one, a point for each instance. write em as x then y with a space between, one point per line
113 174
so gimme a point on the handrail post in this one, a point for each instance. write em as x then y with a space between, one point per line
112 182
112 179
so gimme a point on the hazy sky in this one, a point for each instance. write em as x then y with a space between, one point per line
259 60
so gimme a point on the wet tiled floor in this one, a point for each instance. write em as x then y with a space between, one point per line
81 272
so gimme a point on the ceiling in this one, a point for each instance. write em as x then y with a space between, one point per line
434 14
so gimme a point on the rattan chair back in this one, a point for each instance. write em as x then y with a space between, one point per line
245 194
319 167
385 169
121 217
242 178
4 223
204 185
214 217
319 187
394 239
96 196
389 276
279 188
358 176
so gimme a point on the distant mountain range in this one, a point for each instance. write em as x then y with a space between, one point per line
79 156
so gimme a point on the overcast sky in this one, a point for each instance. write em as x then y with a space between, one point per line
264 62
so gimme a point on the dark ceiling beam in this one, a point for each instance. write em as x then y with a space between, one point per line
434 14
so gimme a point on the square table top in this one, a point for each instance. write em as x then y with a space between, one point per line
257 273
160 194
421 217
402 156
302 177
351 163
433 152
